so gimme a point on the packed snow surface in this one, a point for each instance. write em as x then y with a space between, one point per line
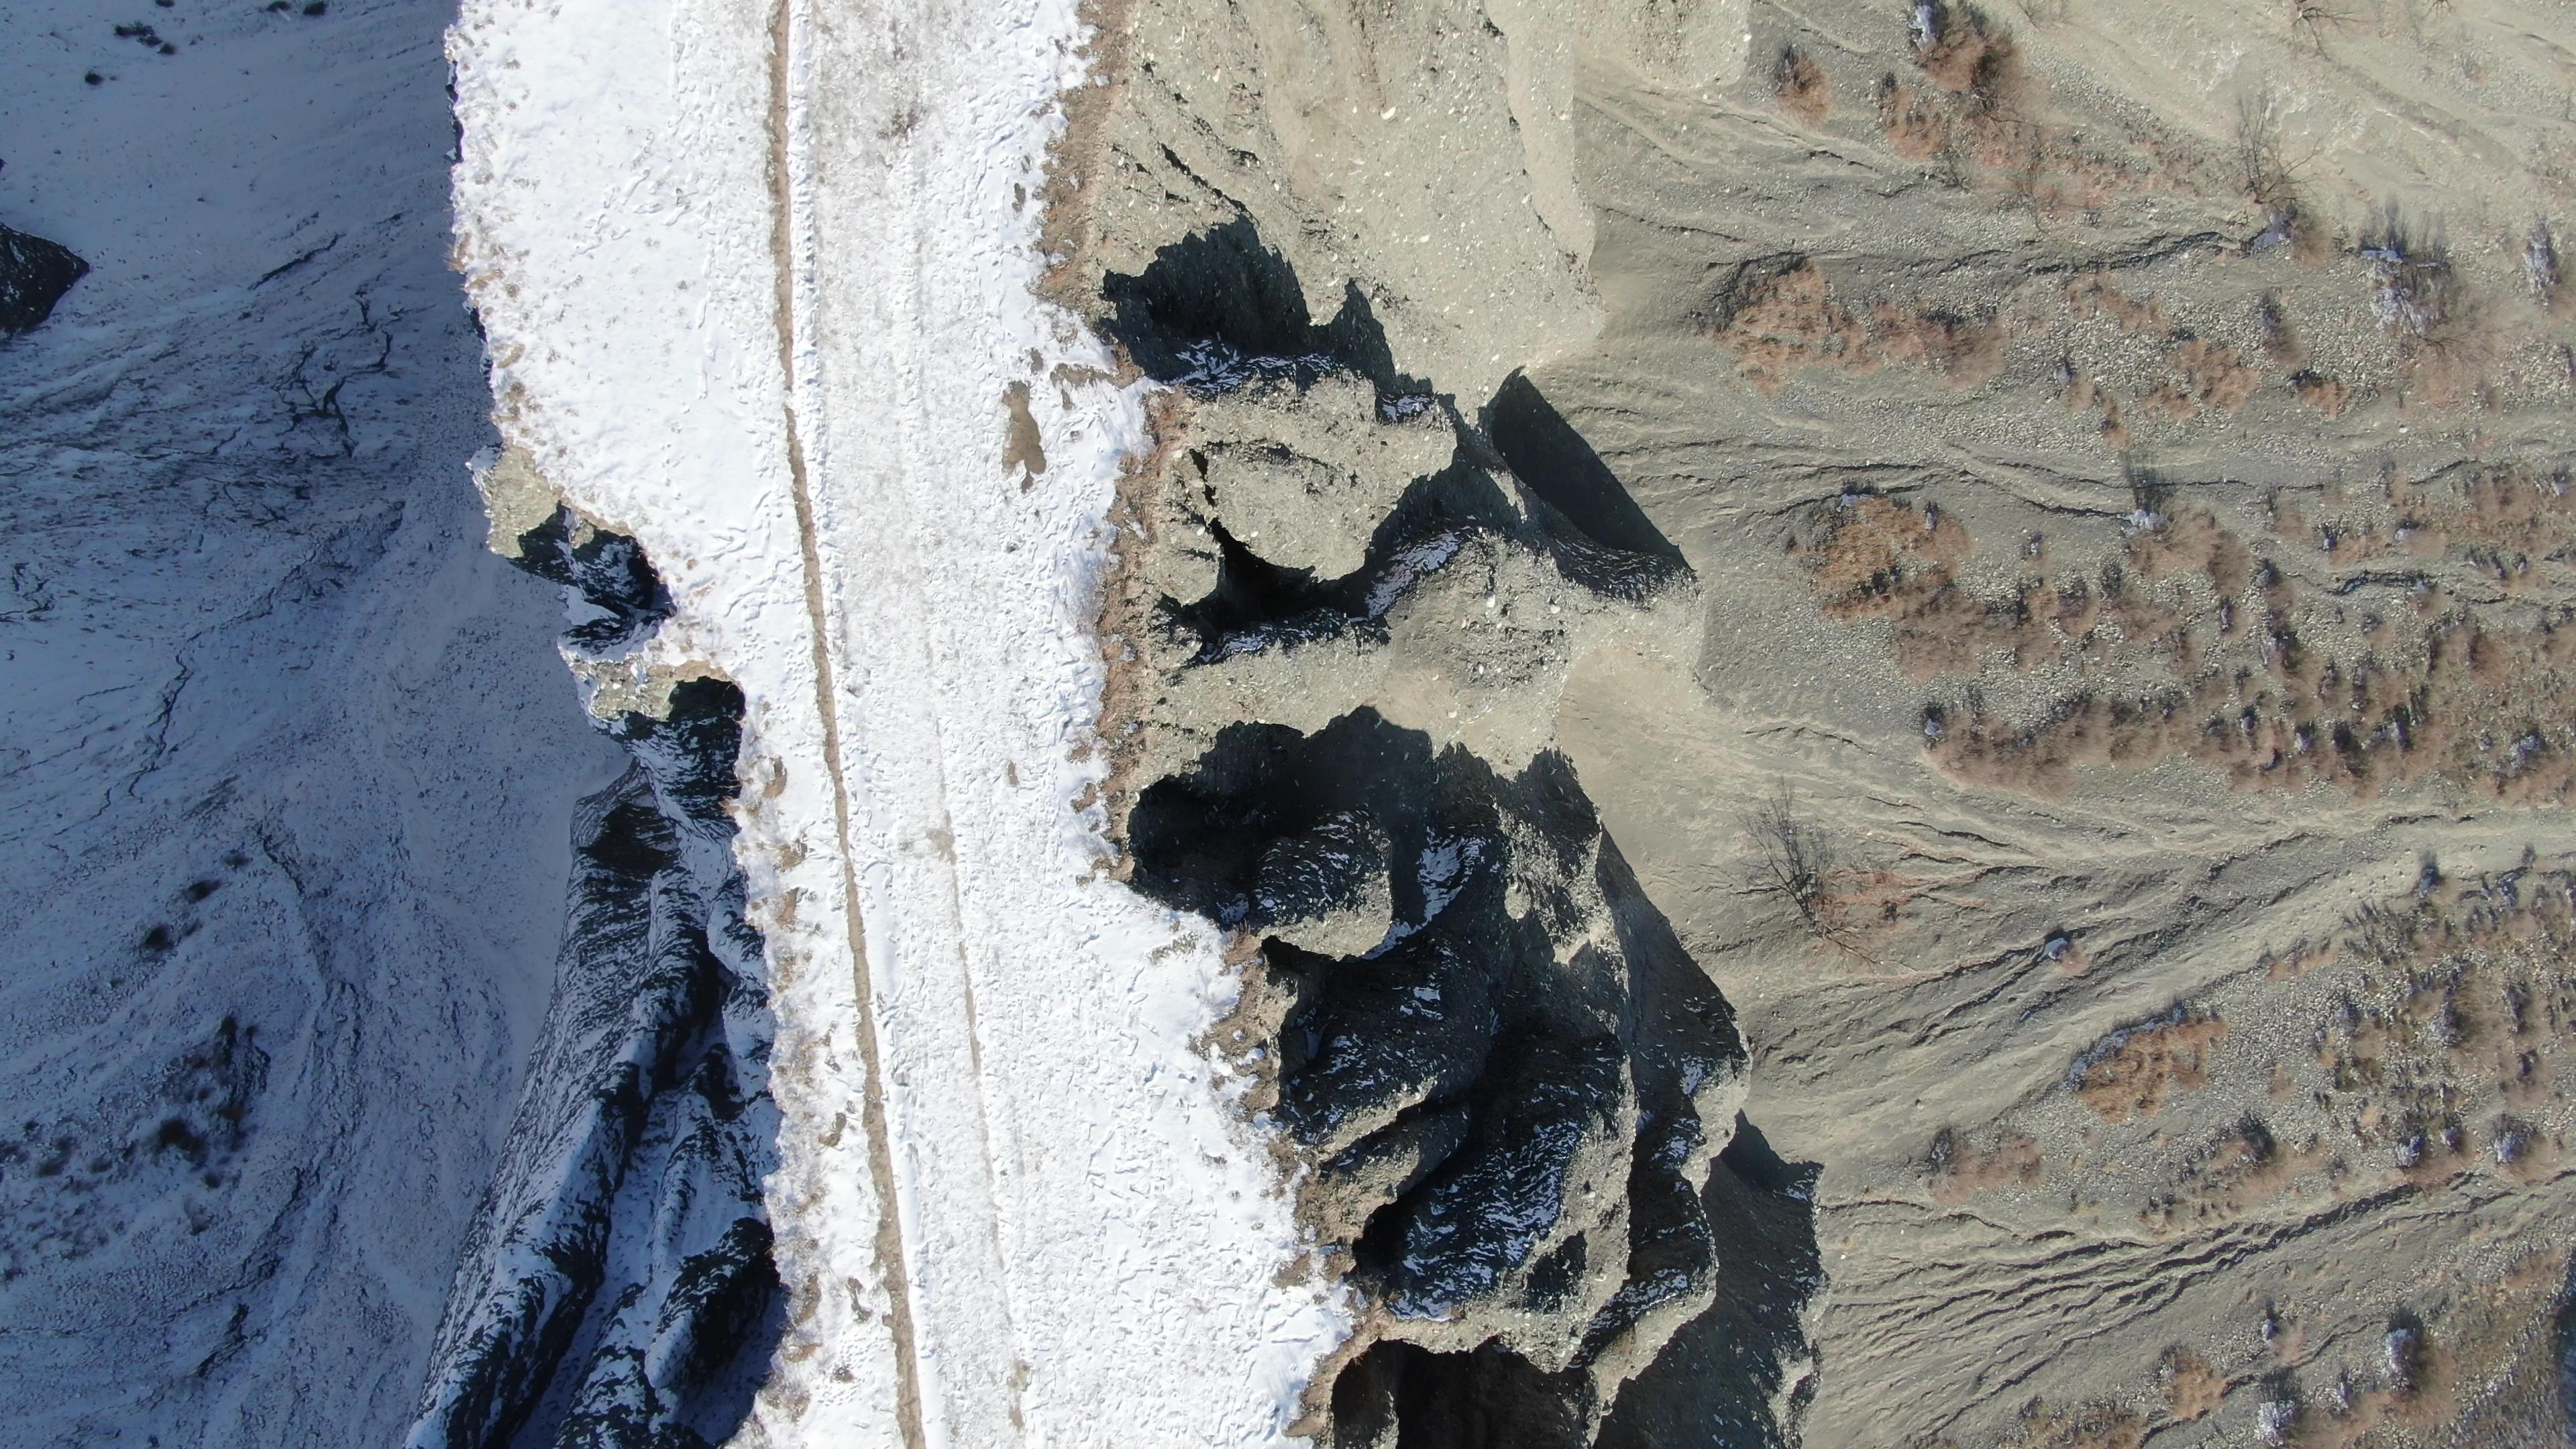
755 284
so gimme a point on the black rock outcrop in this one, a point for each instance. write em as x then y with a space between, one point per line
1511 1089
34 274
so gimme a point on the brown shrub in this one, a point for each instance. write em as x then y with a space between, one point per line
2115 432
1800 86
2131 1073
2442 695
2325 394
1968 54
1879 558
1960 1172
1971 113
2095 295
2192 1389
2216 377
2194 542
2280 339
1790 321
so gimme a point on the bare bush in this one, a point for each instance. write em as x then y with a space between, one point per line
1791 859
2540 265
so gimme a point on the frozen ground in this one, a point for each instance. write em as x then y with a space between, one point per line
757 289
287 763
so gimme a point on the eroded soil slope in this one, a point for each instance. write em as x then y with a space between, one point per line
2017 563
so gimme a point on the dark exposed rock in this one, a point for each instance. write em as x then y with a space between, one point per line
1327 501
1511 1103
34 274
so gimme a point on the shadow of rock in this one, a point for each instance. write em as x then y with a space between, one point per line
1560 469
1219 309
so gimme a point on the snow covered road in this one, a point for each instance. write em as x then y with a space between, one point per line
756 284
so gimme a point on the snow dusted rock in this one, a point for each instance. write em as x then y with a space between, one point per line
34 274
618 1287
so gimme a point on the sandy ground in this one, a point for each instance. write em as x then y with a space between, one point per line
2120 455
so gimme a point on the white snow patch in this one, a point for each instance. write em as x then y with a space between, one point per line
1092 1240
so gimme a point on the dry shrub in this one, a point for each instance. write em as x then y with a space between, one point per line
2440 695
1800 86
1787 321
2540 270
2297 961
2194 542
2323 393
2208 375
2192 1389
2311 19
2085 1426
2269 181
1971 111
2115 430
2096 295
2500 517
1960 1172
2244 1169
1791 858
2280 339
2447 346
1965 53
2131 1073
2215 376
1878 558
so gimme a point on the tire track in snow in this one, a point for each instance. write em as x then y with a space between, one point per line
889 1236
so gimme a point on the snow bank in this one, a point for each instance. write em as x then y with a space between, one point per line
755 284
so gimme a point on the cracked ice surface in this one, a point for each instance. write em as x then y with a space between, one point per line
1013 1204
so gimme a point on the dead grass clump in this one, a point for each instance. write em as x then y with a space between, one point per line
2131 1073
1787 321
1798 83
2192 1389
1959 1172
